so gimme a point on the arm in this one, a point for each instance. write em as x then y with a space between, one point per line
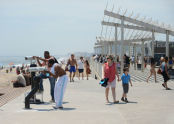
166 70
42 59
68 62
76 64
116 72
103 71
131 83
39 62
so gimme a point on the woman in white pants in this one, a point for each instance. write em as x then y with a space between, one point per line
60 85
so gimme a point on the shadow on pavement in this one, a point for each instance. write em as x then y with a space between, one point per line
43 110
65 102
45 103
132 102
68 109
48 110
111 103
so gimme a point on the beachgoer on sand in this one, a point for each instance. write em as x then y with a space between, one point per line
19 81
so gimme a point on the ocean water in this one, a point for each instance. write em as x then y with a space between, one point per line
7 60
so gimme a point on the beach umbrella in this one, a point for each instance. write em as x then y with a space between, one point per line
11 63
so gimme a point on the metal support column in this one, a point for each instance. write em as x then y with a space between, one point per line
153 40
167 43
135 56
122 42
142 56
116 38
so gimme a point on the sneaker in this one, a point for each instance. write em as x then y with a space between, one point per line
122 99
60 107
126 100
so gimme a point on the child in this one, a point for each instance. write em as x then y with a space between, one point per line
125 83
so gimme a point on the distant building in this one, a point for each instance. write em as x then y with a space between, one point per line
160 47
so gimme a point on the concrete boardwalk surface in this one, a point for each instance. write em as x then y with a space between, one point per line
84 103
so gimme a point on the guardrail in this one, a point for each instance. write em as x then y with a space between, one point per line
96 68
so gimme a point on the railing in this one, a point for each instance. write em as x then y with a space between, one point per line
96 68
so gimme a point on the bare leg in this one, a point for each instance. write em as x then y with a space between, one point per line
79 76
113 94
70 76
87 76
149 76
125 95
82 75
165 83
106 94
155 76
73 76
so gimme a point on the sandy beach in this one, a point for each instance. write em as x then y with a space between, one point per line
5 78
7 92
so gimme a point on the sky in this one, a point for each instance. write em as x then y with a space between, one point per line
29 27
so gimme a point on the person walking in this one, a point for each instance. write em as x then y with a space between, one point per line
109 72
152 70
80 65
73 66
164 70
125 83
87 68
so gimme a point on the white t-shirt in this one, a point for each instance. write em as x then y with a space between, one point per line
21 79
80 64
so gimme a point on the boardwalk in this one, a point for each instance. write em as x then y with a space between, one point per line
84 103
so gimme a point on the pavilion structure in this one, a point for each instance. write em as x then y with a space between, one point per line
128 34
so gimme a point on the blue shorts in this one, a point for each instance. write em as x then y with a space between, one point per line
72 69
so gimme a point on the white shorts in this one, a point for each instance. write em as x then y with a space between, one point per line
111 84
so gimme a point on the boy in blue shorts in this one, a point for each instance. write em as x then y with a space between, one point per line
125 83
